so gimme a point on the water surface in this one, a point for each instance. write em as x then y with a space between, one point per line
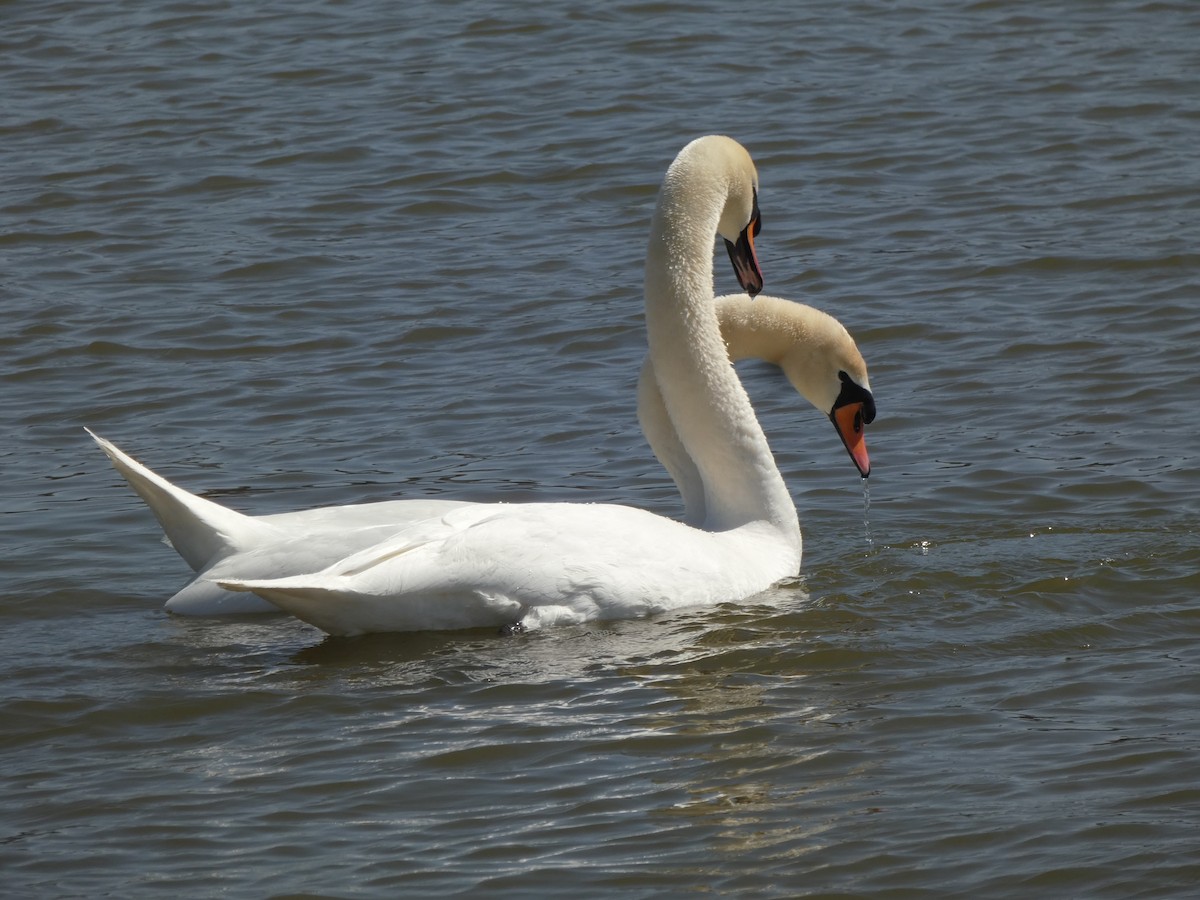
316 253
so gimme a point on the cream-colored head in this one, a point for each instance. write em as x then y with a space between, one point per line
815 352
727 182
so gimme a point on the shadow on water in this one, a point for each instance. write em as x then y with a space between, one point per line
373 650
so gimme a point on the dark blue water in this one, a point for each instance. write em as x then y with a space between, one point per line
313 253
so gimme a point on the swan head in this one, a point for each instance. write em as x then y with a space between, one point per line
717 172
742 255
853 409
740 220
817 355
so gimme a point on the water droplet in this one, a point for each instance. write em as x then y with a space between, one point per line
867 513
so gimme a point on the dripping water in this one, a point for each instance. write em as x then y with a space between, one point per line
866 488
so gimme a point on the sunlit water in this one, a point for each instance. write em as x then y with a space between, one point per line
305 253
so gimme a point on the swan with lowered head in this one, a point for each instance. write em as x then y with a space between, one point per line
802 341
219 542
542 563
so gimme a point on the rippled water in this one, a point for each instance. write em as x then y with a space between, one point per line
309 253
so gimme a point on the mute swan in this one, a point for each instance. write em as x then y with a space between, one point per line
543 563
220 543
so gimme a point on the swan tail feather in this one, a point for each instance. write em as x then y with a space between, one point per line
329 603
288 591
317 599
304 584
200 531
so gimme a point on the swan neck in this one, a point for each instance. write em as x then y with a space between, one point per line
703 395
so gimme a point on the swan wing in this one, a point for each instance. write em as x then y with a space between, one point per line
533 563
297 550
218 542
200 531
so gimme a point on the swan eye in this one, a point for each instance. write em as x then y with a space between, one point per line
756 216
852 392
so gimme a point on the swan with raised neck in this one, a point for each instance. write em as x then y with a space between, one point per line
711 188
219 542
487 564
812 349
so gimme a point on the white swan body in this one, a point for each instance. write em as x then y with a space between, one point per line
221 543
460 565
534 564
542 563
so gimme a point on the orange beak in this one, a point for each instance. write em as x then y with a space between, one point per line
848 420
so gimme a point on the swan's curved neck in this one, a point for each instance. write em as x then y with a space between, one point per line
703 395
